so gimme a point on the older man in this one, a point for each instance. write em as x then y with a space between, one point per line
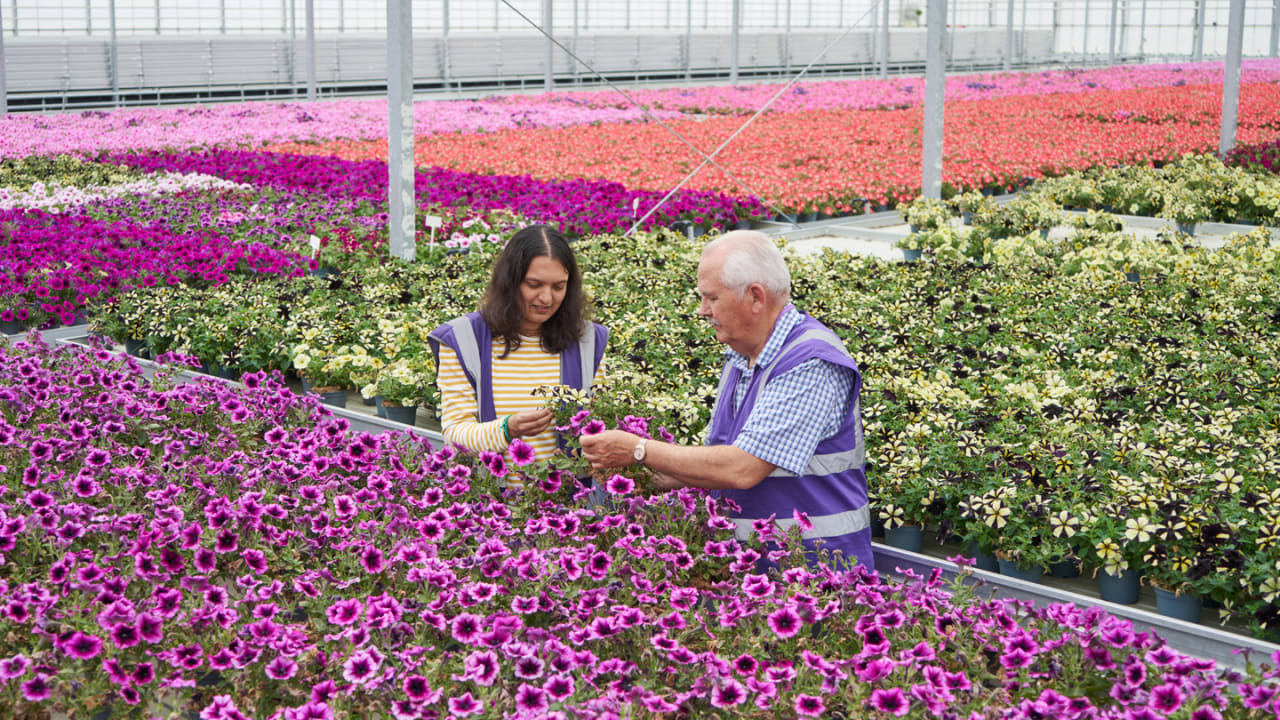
786 433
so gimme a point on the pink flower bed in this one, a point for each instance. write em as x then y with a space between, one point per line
241 553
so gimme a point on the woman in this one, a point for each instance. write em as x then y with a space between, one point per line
531 331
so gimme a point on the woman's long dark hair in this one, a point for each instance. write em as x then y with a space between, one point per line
502 306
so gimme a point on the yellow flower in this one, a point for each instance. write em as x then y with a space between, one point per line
1140 529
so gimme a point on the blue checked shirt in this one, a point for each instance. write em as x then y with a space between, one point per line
797 409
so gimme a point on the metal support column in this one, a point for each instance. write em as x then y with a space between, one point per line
311 49
1142 33
1198 53
293 47
1008 39
884 38
4 83
735 19
113 54
549 81
1231 78
88 17
786 47
935 80
222 17
875 31
573 61
688 40
1111 41
444 45
1275 28
400 199
1084 43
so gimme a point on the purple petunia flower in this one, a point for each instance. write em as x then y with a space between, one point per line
417 688
14 667
371 560
464 705
785 622
619 485
143 673
593 427
728 693
124 636
465 628
559 687
36 689
361 667
344 612
282 668
82 646
892 701
809 705
312 710
521 452
481 667
1166 698
531 699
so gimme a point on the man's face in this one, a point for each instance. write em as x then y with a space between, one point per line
728 313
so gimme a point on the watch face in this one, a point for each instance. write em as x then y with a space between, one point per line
639 452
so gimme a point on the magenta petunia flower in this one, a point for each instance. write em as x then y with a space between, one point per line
361 667
1166 698
521 452
281 668
312 710
559 687
82 646
892 701
14 667
619 485
528 667
785 622
809 705
124 636
466 627
143 673
372 560
481 667
464 705
531 699
255 559
344 612
36 689
593 427
417 688
728 693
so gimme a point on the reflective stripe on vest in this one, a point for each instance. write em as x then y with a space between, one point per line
830 463
464 335
835 525
587 357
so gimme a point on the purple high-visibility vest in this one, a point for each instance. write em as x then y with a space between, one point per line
471 340
832 492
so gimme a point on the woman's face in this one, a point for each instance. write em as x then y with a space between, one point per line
542 292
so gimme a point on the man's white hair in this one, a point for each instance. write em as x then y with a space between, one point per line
750 257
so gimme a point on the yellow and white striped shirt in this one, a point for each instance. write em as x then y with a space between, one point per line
515 377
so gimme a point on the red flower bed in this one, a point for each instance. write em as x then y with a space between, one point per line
833 158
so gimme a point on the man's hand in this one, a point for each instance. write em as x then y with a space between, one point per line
609 449
529 423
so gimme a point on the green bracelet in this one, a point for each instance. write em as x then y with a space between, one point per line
506 432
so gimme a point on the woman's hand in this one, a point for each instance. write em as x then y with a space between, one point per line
529 423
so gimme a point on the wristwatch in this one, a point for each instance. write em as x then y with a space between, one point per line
638 454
